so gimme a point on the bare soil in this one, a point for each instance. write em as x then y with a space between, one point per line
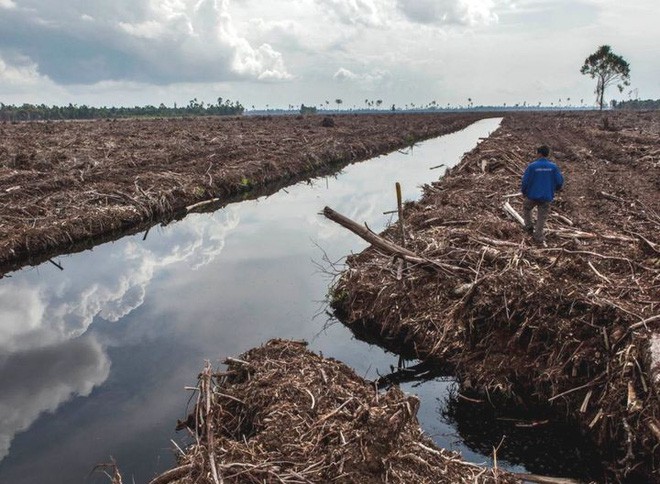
566 325
65 185
280 413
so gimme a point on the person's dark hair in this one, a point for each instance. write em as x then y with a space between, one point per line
543 151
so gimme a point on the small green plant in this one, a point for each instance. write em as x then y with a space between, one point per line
410 139
246 182
336 296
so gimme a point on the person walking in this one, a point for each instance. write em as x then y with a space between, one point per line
539 183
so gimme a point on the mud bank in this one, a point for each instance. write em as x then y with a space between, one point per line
570 325
64 183
280 413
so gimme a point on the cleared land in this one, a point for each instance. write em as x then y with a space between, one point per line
570 325
64 185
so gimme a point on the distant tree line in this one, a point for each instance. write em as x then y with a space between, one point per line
637 104
33 112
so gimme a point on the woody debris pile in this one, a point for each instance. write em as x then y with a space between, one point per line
574 325
280 413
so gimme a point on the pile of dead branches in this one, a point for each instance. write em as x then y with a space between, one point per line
280 413
567 325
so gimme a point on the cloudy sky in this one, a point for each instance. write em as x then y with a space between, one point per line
282 52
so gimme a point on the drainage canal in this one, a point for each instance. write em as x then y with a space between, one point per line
94 357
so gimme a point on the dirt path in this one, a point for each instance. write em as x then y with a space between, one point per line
63 185
568 325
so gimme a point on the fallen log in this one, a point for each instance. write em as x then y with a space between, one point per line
535 478
512 212
384 244
197 205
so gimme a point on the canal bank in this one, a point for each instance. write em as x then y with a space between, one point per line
568 326
280 413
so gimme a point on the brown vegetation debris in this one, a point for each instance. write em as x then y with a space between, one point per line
568 324
280 413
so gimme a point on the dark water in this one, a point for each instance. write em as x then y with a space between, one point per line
94 358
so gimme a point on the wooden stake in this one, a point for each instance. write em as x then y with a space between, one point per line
399 205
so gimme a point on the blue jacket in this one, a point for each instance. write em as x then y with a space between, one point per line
540 180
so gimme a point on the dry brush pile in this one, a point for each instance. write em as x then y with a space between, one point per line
567 325
280 413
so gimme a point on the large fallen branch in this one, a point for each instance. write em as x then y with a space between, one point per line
513 213
384 244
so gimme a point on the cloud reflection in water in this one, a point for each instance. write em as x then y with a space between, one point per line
45 359
39 380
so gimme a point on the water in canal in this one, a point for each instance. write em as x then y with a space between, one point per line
94 358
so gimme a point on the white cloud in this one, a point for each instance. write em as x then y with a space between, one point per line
151 51
281 33
7 4
36 313
366 81
22 311
150 29
202 35
45 356
344 74
157 41
23 72
264 63
450 12
369 13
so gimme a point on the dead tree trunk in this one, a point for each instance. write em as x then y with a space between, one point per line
382 243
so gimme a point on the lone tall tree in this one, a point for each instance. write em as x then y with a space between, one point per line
608 68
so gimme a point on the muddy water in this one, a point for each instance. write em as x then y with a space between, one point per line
94 358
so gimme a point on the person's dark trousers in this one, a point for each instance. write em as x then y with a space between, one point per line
543 209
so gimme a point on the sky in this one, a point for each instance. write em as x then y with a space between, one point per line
276 53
